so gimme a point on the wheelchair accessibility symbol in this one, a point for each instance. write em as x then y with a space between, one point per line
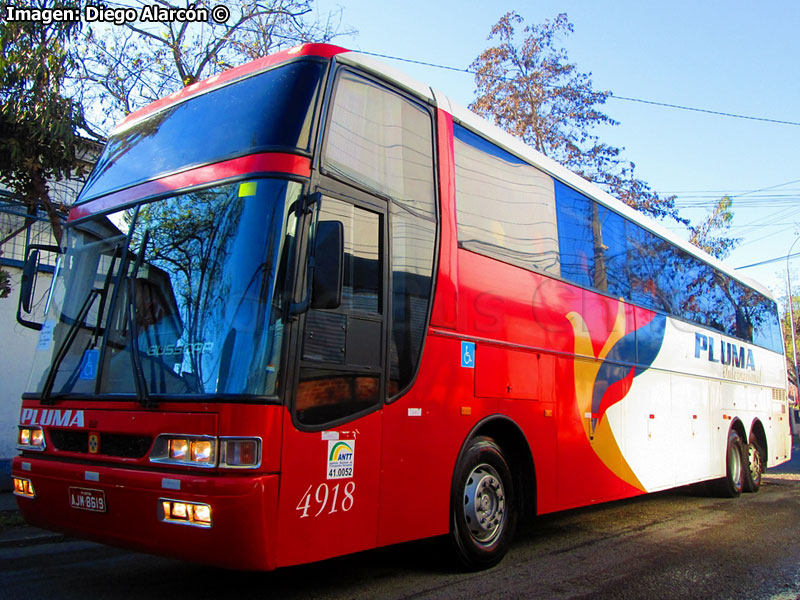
89 364
468 355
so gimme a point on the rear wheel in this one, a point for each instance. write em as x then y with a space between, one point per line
483 512
755 467
732 484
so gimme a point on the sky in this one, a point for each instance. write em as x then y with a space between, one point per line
732 56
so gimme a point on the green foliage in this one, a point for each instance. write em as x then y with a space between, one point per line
38 120
529 88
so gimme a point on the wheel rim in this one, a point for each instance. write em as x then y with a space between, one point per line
735 461
484 504
754 457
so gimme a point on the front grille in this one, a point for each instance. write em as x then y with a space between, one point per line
111 444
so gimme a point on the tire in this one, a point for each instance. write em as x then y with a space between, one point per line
483 505
732 484
754 467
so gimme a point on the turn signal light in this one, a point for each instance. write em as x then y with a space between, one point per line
240 453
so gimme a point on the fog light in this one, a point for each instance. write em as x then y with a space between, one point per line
24 487
184 513
202 513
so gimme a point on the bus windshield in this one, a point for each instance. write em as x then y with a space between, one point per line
273 110
177 297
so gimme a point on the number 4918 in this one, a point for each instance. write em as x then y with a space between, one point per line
324 497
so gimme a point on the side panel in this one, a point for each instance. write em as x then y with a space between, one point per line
321 513
423 434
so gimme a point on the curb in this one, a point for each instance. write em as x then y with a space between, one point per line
28 536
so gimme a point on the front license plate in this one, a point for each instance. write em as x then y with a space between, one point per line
86 499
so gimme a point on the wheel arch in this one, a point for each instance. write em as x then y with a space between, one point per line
738 427
508 435
759 435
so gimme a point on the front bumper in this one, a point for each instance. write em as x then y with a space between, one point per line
243 530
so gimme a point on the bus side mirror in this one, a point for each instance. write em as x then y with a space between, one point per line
27 288
328 265
28 282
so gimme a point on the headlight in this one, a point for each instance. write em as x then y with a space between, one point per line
30 438
189 450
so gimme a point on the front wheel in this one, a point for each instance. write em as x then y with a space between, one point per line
755 467
732 484
483 512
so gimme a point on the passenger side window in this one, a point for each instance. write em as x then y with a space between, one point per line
505 207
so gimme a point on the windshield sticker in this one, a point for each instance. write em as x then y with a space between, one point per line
248 188
341 454
89 363
46 335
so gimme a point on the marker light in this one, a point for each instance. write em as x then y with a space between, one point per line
240 453
184 513
24 487
189 450
30 438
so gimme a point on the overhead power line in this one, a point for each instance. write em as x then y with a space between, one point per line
771 260
613 96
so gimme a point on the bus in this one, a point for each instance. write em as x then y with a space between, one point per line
310 307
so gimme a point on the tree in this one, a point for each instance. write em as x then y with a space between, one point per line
38 121
530 89
786 325
123 68
709 235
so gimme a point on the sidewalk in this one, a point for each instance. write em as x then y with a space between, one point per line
15 532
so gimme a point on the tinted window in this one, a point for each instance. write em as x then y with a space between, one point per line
274 109
575 236
413 241
382 141
505 207
602 250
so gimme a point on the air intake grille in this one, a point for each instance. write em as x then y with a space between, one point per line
111 444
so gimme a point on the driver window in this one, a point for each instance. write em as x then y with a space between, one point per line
340 372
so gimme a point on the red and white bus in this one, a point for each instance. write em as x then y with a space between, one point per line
309 307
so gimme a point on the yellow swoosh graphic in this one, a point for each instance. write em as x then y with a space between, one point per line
603 442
